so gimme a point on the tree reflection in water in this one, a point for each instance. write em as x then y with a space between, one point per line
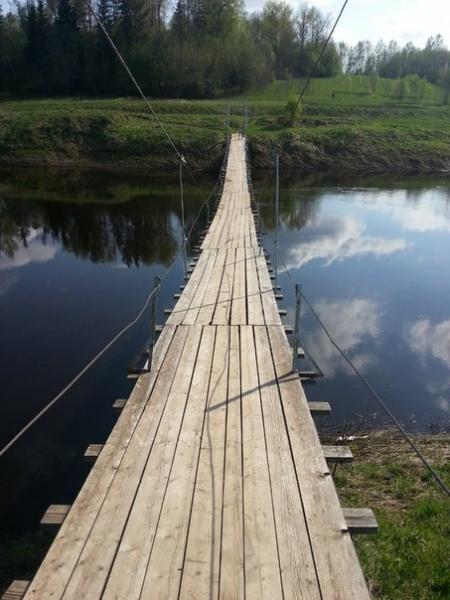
103 219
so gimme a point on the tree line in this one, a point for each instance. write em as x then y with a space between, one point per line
196 48
186 48
432 62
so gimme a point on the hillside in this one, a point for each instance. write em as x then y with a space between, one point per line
351 123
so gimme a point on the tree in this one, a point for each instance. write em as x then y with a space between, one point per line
293 109
401 89
67 50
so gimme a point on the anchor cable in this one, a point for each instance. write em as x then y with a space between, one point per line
118 335
441 483
322 52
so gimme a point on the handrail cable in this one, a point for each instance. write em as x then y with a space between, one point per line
319 58
316 64
369 386
113 340
132 78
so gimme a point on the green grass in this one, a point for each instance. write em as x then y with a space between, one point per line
342 125
409 558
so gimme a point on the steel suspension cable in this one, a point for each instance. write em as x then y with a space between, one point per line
113 340
438 479
319 58
124 64
370 388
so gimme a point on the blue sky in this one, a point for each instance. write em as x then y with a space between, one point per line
402 20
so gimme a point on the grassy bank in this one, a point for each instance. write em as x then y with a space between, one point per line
409 558
345 124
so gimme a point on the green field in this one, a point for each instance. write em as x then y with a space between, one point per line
344 123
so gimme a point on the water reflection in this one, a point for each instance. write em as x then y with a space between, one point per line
133 233
354 323
427 338
419 210
374 260
103 219
335 239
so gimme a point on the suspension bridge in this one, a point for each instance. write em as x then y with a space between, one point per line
213 483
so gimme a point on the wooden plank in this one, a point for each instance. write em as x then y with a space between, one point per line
254 303
55 515
92 452
319 408
239 306
337 454
190 290
223 308
270 308
165 567
232 550
202 559
335 557
261 563
16 590
209 303
119 404
360 520
198 299
295 554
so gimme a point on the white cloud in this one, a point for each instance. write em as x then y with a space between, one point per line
351 322
35 252
401 20
339 238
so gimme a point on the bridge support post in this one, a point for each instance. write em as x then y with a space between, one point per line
277 208
156 289
183 220
298 309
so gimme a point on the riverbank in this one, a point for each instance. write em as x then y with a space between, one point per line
408 558
118 134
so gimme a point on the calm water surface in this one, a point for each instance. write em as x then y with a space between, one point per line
78 254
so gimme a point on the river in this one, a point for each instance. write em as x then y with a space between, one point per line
79 252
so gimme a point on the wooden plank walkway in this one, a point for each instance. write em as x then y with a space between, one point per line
213 483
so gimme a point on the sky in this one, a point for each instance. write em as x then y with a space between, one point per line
401 20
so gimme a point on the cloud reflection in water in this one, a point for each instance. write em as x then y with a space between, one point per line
351 322
336 239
